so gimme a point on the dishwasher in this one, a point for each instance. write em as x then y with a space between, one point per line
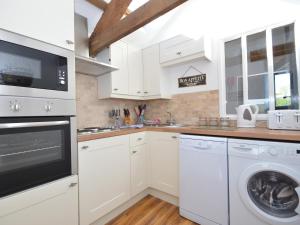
204 179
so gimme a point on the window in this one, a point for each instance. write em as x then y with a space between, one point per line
261 69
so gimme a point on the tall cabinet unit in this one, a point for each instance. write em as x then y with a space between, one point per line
48 21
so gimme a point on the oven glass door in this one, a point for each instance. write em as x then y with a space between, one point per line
33 151
27 67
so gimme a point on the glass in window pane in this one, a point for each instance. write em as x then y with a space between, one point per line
258 83
285 70
233 75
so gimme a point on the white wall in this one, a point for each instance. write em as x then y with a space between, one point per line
216 18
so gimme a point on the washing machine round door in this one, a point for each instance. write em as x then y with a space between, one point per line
272 193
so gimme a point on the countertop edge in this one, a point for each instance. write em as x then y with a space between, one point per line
249 133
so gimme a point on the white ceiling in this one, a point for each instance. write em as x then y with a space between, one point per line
217 18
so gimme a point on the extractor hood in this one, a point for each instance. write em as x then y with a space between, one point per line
85 64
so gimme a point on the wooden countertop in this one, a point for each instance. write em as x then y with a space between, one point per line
252 133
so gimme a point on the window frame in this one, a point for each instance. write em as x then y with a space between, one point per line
269 49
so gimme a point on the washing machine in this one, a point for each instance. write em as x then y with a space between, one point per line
264 182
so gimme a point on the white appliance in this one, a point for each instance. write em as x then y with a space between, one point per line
264 179
246 117
203 179
284 119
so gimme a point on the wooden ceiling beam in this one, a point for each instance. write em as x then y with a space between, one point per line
113 13
135 20
101 4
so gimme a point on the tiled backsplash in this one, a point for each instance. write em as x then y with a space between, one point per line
185 108
92 111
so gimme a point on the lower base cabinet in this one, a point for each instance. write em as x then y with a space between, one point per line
112 170
164 161
139 160
104 176
49 204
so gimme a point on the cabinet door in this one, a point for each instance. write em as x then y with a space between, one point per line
164 151
104 176
53 203
135 70
152 71
48 21
138 169
119 78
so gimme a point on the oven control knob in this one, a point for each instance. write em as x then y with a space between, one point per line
16 107
273 151
48 108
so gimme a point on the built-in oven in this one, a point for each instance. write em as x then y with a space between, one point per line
31 68
36 150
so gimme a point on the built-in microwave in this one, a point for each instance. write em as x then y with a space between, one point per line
31 68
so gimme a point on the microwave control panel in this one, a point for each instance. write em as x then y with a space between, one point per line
62 77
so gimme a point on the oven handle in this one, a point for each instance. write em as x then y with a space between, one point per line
33 124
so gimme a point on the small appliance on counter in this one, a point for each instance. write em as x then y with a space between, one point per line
246 117
284 119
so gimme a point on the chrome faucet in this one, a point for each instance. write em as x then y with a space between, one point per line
171 121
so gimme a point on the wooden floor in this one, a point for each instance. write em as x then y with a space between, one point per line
151 211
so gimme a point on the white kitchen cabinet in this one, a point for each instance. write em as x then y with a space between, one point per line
48 21
104 176
140 75
135 71
139 163
52 203
164 163
115 84
181 49
154 84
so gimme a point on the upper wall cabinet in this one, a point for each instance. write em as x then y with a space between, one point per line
115 83
181 49
48 21
154 84
135 71
139 76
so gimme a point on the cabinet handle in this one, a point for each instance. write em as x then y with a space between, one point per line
138 92
84 147
69 42
174 137
139 139
115 89
179 53
72 185
133 152
145 92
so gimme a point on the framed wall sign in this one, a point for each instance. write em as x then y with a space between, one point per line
191 81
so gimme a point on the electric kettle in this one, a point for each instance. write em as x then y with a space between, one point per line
246 117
